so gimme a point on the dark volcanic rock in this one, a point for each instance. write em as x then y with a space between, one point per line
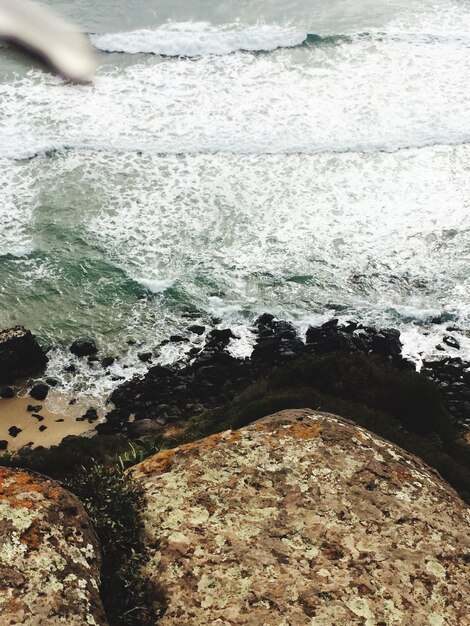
145 357
34 408
13 431
178 339
39 418
451 342
42 428
180 391
20 354
107 361
7 392
91 415
3 444
83 346
277 343
39 392
52 382
197 329
452 375
219 339
354 337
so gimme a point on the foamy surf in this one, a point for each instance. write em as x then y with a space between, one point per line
189 39
198 178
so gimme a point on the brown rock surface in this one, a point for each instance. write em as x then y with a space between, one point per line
304 519
49 555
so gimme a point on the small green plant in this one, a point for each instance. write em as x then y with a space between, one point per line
138 454
114 502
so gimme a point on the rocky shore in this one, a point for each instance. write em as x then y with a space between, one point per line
211 376
167 396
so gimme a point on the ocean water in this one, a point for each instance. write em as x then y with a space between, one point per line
307 158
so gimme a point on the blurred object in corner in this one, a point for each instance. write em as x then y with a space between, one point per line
40 32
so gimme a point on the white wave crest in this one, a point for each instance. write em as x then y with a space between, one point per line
190 39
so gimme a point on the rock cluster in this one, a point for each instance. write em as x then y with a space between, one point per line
170 393
49 555
452 375
212 376
20 355
304 519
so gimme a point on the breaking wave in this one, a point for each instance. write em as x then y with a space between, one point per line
191 39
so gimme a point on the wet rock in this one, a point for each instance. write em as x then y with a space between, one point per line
52 382
71 369
161 371
178 339
39 418
49 555
330 324
20 355
91 415
197 329
42 428
13 431
145 357
84 346
39 392
219 338
303 516
94 358
451 342
266 319
107 361
387 343
7 392
3 444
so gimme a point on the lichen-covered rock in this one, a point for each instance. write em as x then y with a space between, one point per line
49 555
304 519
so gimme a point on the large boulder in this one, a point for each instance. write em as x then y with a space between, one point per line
304 519
84 346
49 555
20 355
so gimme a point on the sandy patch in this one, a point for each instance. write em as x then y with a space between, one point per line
59 418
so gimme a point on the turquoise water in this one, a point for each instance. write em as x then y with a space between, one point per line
307 159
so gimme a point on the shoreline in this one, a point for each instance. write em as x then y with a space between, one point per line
162 399
52 420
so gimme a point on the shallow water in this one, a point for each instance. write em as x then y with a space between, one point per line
229 160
